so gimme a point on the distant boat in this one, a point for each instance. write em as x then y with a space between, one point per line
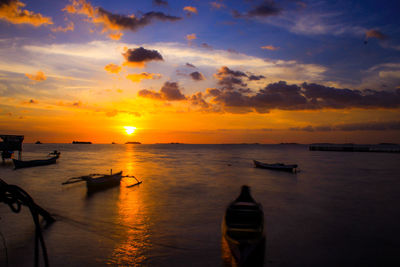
80 142
38 142
38 162
243 229
275 166
134 143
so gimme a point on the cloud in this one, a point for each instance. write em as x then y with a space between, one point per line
375 34
357 126
329 97
112 68
138 57
115 23
190 65
191 37
198 100
217 5
170 92
190 9
197 76
137 77
69 27
31 101
38 77
266 9
270 47
207 46
253 77
233 96
10 10
115 112
160 2
228 78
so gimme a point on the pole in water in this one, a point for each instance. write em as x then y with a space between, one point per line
111 171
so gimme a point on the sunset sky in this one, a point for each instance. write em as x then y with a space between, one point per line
200 71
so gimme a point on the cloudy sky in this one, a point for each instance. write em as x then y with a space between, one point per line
200 71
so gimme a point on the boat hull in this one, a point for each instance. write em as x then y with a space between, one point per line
243 230
34 163
276 166
103 182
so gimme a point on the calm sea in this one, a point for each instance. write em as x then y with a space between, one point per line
340 209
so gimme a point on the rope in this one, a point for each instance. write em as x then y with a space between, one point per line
15 197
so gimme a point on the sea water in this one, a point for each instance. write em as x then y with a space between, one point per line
339 209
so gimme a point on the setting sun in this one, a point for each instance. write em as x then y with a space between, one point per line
129 129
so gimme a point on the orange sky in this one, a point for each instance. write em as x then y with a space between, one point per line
74 73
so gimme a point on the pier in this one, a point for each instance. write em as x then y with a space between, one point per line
10 144
388 148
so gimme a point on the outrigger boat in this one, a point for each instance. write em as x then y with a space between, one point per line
275 166
97 182
243 229
37 162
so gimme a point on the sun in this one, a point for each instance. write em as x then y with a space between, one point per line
129 129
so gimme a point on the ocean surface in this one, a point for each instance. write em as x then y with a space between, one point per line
339 209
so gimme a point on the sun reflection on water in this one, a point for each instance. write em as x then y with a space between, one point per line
135 241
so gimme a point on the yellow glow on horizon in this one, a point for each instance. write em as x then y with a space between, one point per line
129 129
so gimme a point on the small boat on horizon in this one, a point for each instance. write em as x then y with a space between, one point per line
81 142
275 166
243 229
37 162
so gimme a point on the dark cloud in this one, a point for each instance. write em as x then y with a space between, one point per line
305 97
267 8
328 97
253 77
149 94
139 56
198 100
160 2
229 79
207 46
170 92
197 76
134 23
375 34
190 65
114 23
360 126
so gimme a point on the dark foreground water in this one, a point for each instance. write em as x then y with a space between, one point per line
341 209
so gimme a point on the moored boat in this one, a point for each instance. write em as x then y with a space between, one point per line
275 166
96 182
37 162
243 229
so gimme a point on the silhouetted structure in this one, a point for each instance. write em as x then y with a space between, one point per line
10 144
383 147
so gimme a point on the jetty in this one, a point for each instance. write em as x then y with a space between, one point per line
10 144
383 147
